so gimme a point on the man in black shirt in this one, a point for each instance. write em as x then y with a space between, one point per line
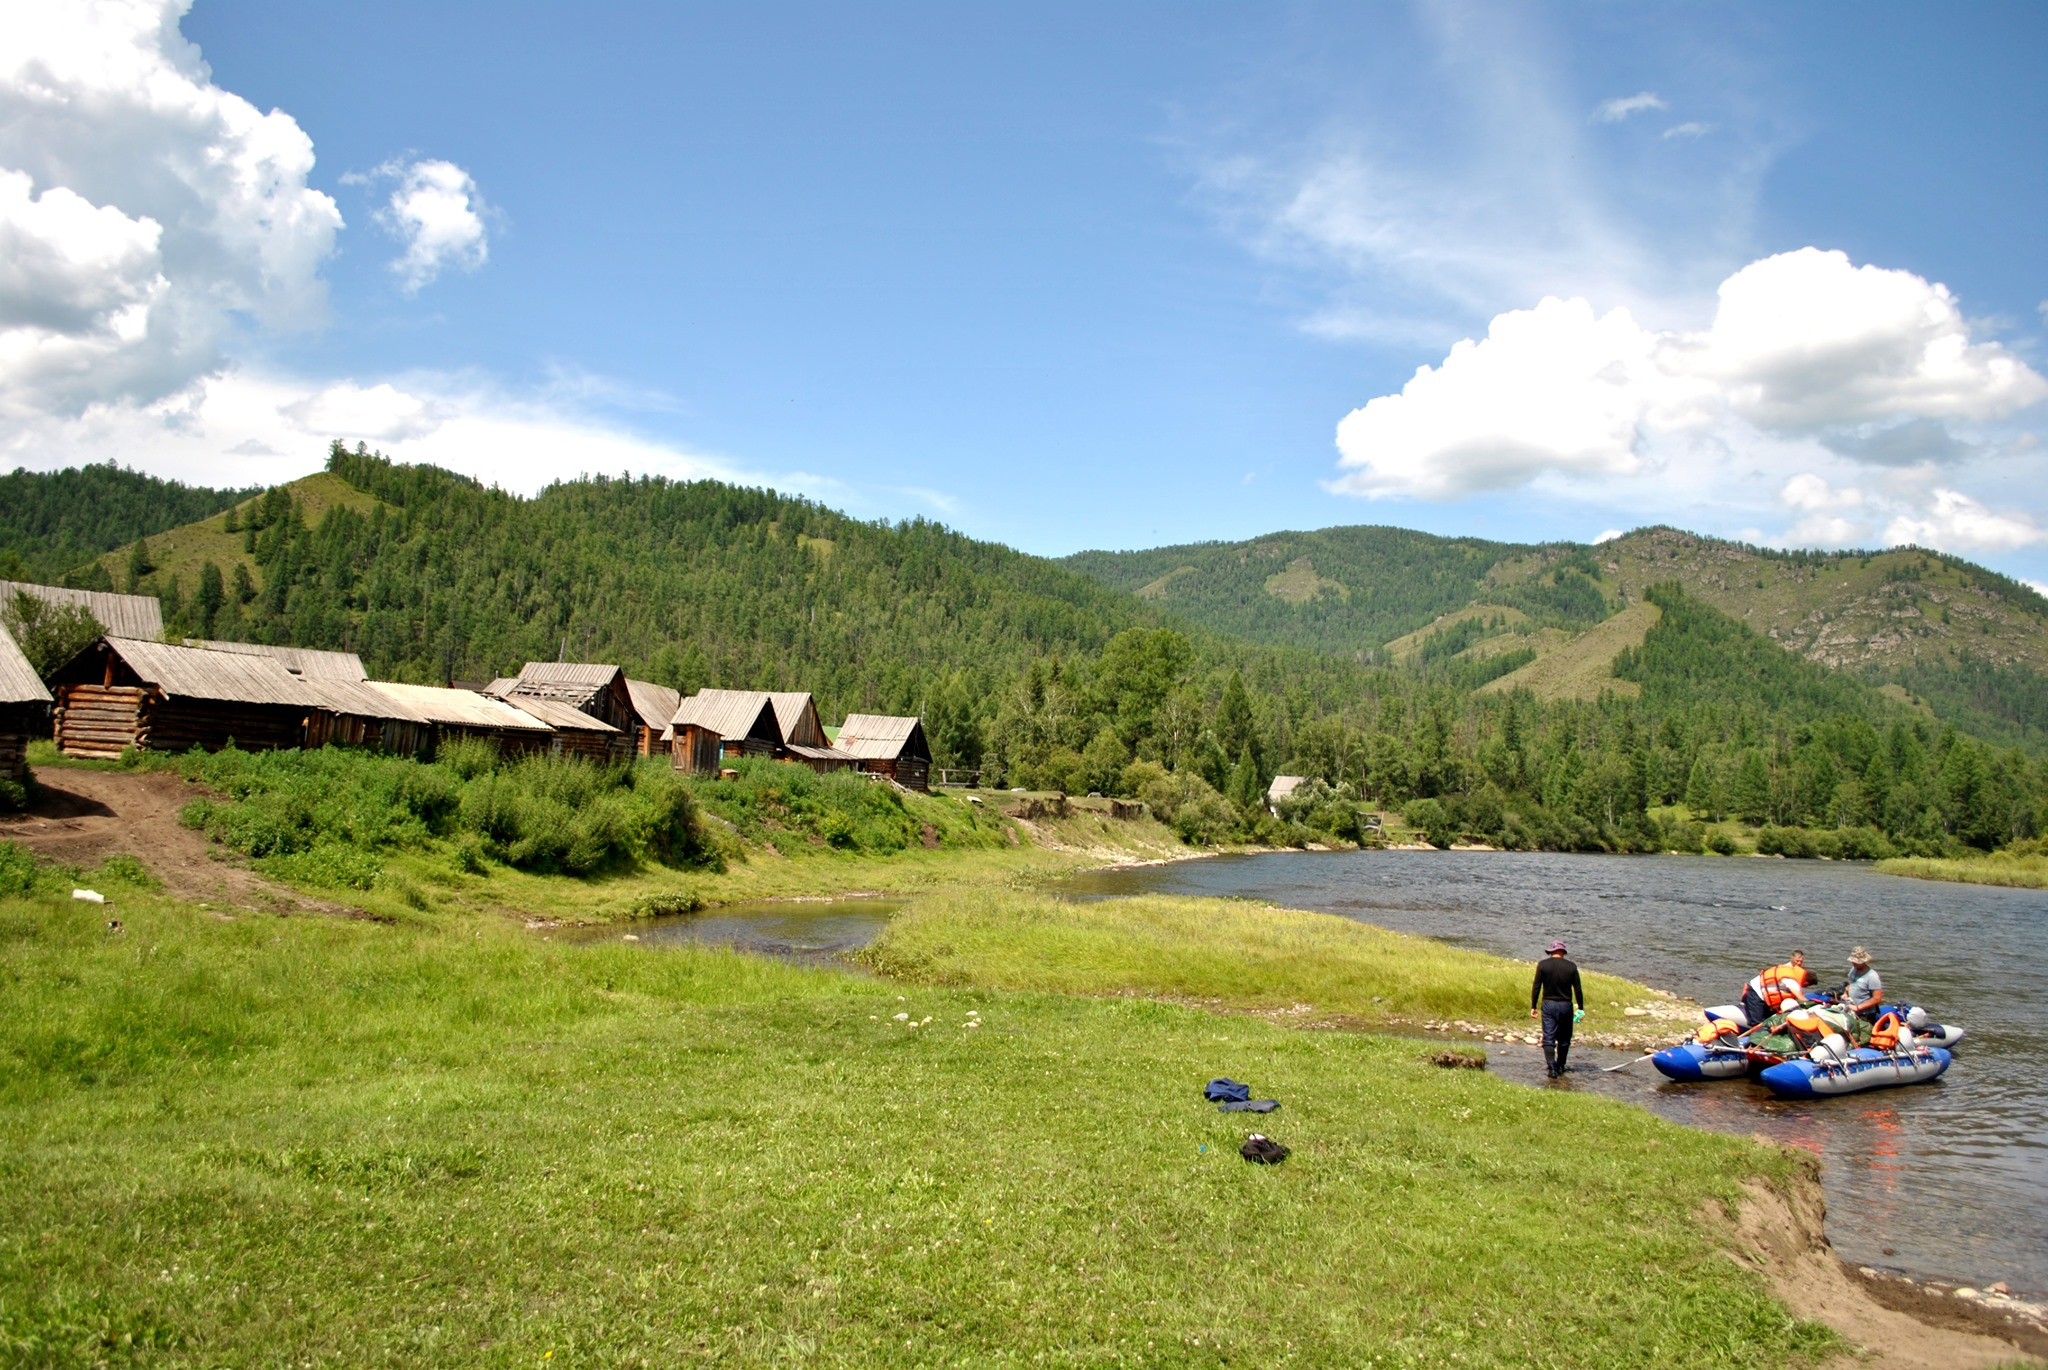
1555 987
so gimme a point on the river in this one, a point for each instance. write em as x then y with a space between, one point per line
1948 1180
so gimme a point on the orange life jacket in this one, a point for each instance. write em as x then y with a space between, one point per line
1884 1033
1773 983
1716 1031
1806 1028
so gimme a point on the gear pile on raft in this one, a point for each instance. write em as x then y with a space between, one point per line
1804 1044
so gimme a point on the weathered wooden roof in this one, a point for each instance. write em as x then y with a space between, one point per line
797 716
502 686
729 713
1283 786
190 673
877 737
557 713
19 683
656 704
132 616
818 753
460 708
359 699
305 661
577 682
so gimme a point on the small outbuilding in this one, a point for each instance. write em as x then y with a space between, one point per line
24 708
883 745
452 715
120 693
653 707
712 725
576 732
1282 787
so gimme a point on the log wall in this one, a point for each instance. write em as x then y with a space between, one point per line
99 721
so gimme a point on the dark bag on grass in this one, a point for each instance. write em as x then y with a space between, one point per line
1262 1150
1223 1091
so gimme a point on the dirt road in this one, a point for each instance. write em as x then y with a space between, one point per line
83 817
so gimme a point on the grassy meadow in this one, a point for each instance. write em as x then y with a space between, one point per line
2027 870
447 1140
1226 953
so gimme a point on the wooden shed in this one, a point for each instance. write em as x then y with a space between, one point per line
597 690
350 713
576 732
121 693
131 616
712 725
454 714
653 707
882 745
24 709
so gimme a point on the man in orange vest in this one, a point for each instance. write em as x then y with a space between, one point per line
1775 987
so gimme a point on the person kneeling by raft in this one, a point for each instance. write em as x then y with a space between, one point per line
1772 989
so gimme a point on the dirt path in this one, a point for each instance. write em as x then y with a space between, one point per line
83 817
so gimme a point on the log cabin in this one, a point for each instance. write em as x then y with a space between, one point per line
878 744
24 709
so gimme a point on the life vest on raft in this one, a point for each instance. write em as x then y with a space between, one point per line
1719 1031
1771 984
1806 1028
1884 1033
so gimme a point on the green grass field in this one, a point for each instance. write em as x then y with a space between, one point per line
2029 872
313 1141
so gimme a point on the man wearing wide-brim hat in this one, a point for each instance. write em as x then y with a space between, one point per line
1551 994
1865 991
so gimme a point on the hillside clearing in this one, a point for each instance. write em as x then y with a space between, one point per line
1582 667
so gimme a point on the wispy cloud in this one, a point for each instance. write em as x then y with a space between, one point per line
1691 129
1616 110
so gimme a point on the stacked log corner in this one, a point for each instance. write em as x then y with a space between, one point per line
99 722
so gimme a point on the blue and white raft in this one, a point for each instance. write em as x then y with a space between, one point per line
1806 1077
1691 1062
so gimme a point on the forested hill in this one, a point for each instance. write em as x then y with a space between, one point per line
52 522
430 576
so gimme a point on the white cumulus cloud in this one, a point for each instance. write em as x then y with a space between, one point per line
1615 110
436 212
1955 522
1801 344
142 208
1692 128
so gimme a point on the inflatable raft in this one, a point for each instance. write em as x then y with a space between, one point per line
1863 1068
1730 1058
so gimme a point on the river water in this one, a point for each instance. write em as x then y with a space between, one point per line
1948 1180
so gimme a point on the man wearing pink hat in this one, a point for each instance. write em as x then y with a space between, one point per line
1550 995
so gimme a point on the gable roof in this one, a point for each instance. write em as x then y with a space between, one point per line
224 677
880 737
303 661
132 616
656 704
19 683
577 682
1283 786
797 716
729 713
459 708
359 699
559 713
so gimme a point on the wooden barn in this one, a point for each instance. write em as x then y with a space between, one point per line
576 732
151 696
131 616
307 662
597 690
712 725
894 747
454 714
24 709
653 707
352 713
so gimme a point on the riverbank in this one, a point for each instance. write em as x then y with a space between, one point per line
2015 871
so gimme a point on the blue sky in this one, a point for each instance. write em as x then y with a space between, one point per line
1065 276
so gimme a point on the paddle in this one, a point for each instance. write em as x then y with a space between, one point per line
1632 1061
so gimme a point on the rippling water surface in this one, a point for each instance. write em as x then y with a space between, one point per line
1951 1177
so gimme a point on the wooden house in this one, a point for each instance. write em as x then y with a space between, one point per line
130 616
576 732
803 735
597 690
881 745
351 713
713 725
151 696
456 714
653 707
24 709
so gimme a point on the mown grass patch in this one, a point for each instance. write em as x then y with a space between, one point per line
1225 951
310 1140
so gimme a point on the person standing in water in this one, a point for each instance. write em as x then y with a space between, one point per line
1551 996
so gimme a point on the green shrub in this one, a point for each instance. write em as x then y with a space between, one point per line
1720 843
18 871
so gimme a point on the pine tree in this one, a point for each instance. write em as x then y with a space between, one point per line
212 594
1699 790
1752 798
139 565
1236 726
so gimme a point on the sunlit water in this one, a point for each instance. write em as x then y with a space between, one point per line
1952 1176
